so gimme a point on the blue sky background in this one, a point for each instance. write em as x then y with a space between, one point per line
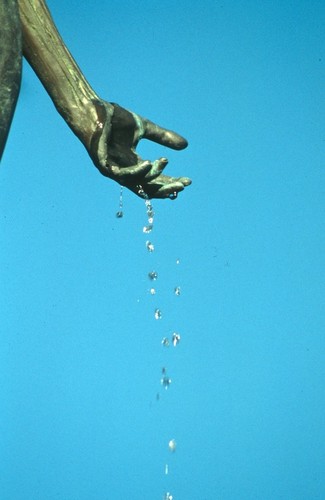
81 353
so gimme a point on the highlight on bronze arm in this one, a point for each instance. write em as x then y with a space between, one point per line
109 132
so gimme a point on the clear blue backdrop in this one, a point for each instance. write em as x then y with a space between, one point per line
80 353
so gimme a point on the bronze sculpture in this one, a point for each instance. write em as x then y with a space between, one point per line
10 65
109 132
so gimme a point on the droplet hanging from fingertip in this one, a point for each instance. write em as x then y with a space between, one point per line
173 196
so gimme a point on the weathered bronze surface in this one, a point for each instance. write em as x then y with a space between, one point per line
109 132
10 65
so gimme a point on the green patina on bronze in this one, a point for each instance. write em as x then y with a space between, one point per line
109 132
10 65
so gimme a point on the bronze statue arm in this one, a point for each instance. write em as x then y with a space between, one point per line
109 133
46 52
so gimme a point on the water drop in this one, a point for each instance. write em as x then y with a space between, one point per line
120 214
177 290
176 338
147 229
150 246
149 208
165 382
153 275
158 314
165 342
166 470
152 291
172 196
141 191
168 496
178 261
172 445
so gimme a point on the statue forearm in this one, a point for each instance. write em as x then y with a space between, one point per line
45 50
109 132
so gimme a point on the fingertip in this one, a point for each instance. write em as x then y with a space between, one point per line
170 189
175 141
182 143
164 136
186 181
162 162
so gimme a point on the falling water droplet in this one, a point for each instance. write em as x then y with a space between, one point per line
168 496
165 342
153 275
147 229
158 314
141 191
166 470
165 382
119 214
177 290
150 212
176 338
149 208
152 291
177 261
150 246
172 445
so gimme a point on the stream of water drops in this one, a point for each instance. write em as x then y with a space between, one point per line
172 339
119 214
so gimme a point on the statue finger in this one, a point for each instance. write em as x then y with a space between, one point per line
173 187
163 136
170 190
157 168
163 187
186 181
140 170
